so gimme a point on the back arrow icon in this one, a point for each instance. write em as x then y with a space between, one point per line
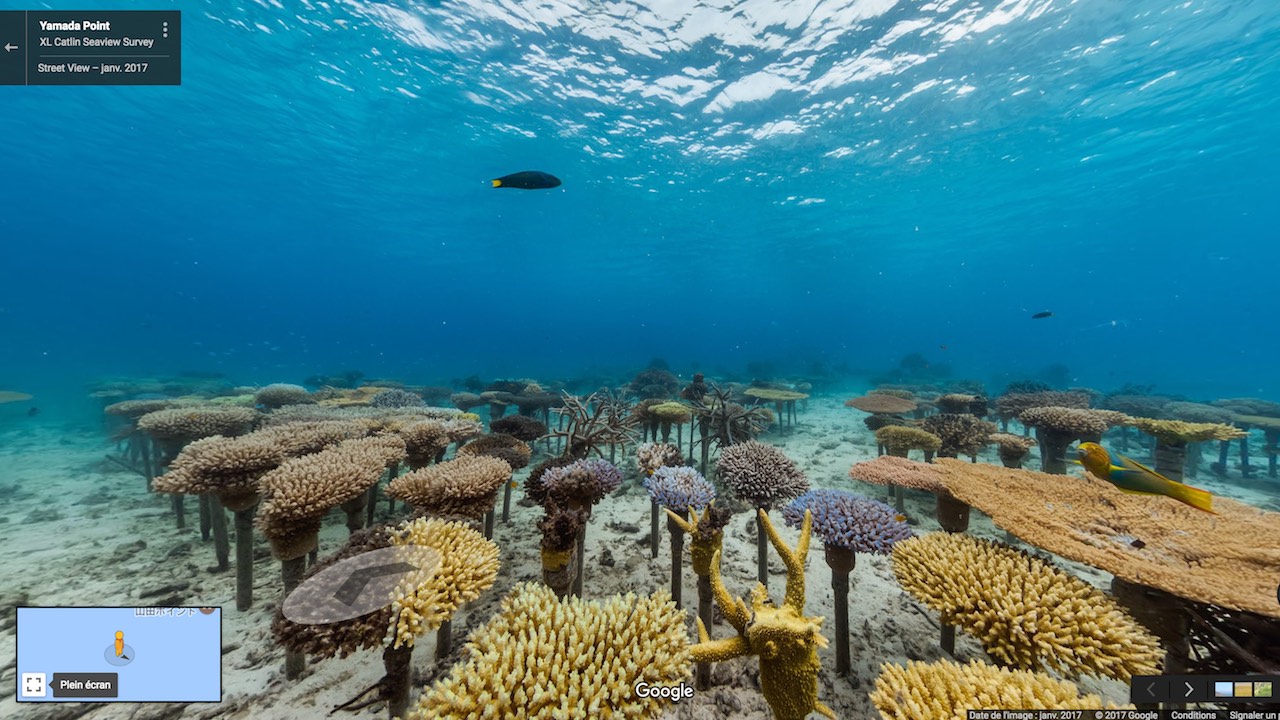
10 48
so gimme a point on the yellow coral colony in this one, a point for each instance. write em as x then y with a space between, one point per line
1027 613
468 567
946 690
782 637
543 658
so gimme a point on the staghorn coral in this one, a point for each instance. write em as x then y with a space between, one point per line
1012 448
651 456
890 470
679 488
760 474
882 404
845 520
959 434
1183 551
898 440
724 422
582 483
278 395
542 658
504 447
468 567
1024 611
520 427
594 422
785 640
946 690
297 495
465 486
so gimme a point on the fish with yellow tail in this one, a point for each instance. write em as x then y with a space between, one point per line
1132 476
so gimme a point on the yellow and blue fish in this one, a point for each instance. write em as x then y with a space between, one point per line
1132 476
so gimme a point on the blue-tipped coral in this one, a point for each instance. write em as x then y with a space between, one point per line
578 486
848 524
678 488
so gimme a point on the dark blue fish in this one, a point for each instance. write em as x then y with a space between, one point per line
1042 315
528 180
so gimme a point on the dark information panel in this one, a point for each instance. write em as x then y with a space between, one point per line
90 47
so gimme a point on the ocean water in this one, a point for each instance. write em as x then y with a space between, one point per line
798 186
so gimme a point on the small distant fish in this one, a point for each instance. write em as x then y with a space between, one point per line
527 180
1138 544
1042 315
33 411
942 347
1132 476
900 518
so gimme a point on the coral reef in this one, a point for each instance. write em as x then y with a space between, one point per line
589 657
175 427
395 398
785 640
297 495
882 404
1144 540
504 447
946 690
959 434
520 427
467 486
592 423
760 474
1026 613
425 442
847 520
890 470
468 567
1012 449
1057 427
582 482
898 440
678 488
651 456
278 395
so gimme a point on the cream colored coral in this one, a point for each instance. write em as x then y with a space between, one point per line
424 440
467 485
1175 432
183 424
890 470
900 439
651 456
946 690
1231 558
217 463
544 658
1026 613
468 567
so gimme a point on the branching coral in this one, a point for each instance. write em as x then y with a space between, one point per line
651 456
504 447
582 483
175 427
724 422
543 658
959 434
297 494
846 520
1026 613
425 442
1012 404
466 486
1012 448
395 398
679 487
280 394
468 567
760 474
1057 427
520 427
593 423
227 467
785 640
946 690
898 440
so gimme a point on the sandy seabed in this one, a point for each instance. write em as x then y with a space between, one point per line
77 530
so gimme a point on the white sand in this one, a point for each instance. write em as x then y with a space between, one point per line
80 531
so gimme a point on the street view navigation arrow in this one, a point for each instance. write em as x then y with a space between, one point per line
361 584
10 47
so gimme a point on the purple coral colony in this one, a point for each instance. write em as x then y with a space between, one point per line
555 602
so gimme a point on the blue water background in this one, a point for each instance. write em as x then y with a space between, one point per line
741 184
